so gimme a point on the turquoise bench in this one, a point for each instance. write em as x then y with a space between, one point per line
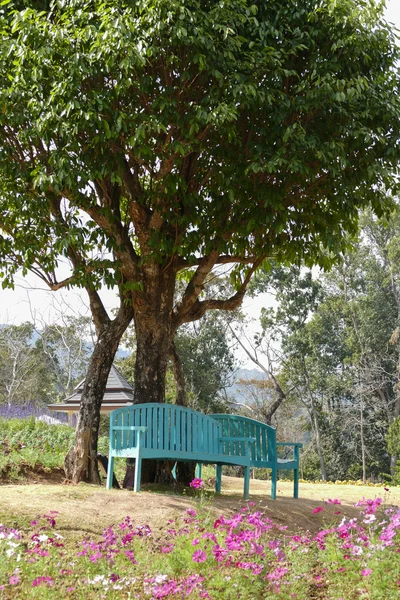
263 453
170 432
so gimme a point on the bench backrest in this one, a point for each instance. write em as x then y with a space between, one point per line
170 427
264 448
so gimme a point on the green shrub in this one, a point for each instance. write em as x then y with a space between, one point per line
19 433
27 443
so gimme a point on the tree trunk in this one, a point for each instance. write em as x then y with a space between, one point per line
314 417
396 414
179 376
318 442
363 452
81 461
153 343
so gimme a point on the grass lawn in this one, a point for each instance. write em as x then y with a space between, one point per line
86 507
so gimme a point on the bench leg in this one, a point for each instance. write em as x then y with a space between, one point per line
218 478
296 483
138 474
274 477
246 489
110 471
198 470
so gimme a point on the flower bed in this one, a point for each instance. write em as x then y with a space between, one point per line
245 555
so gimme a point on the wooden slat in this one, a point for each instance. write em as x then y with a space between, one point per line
167 428
195 434
161 429
184 417
124 440
178 429
154 427
258 442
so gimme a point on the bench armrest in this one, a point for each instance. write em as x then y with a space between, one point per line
294 444
116 437
130 428
238 439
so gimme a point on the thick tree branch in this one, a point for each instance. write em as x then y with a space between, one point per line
123 249
99 313
194 288
132 185
224 259
198 308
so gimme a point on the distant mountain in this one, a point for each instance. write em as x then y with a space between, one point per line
234 391
249 374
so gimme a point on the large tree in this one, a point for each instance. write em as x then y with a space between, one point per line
140 140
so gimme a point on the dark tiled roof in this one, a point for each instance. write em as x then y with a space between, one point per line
118 393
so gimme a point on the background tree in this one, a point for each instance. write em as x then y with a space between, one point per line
262 397
298 295
39 365
337 350
208 362
141 140
23 374
67 348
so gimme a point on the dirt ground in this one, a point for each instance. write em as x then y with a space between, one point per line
85 510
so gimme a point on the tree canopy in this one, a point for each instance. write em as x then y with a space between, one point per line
189 131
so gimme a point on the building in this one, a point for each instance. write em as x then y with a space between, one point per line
119 393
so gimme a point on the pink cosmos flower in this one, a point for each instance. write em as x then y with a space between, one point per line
197 483
369 519
39 580
371 505
219 553
199 556
14 580
317 510
366 572
277 574
218 522
131 556
95 557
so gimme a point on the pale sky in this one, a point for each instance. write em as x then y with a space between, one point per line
30 299
393 12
